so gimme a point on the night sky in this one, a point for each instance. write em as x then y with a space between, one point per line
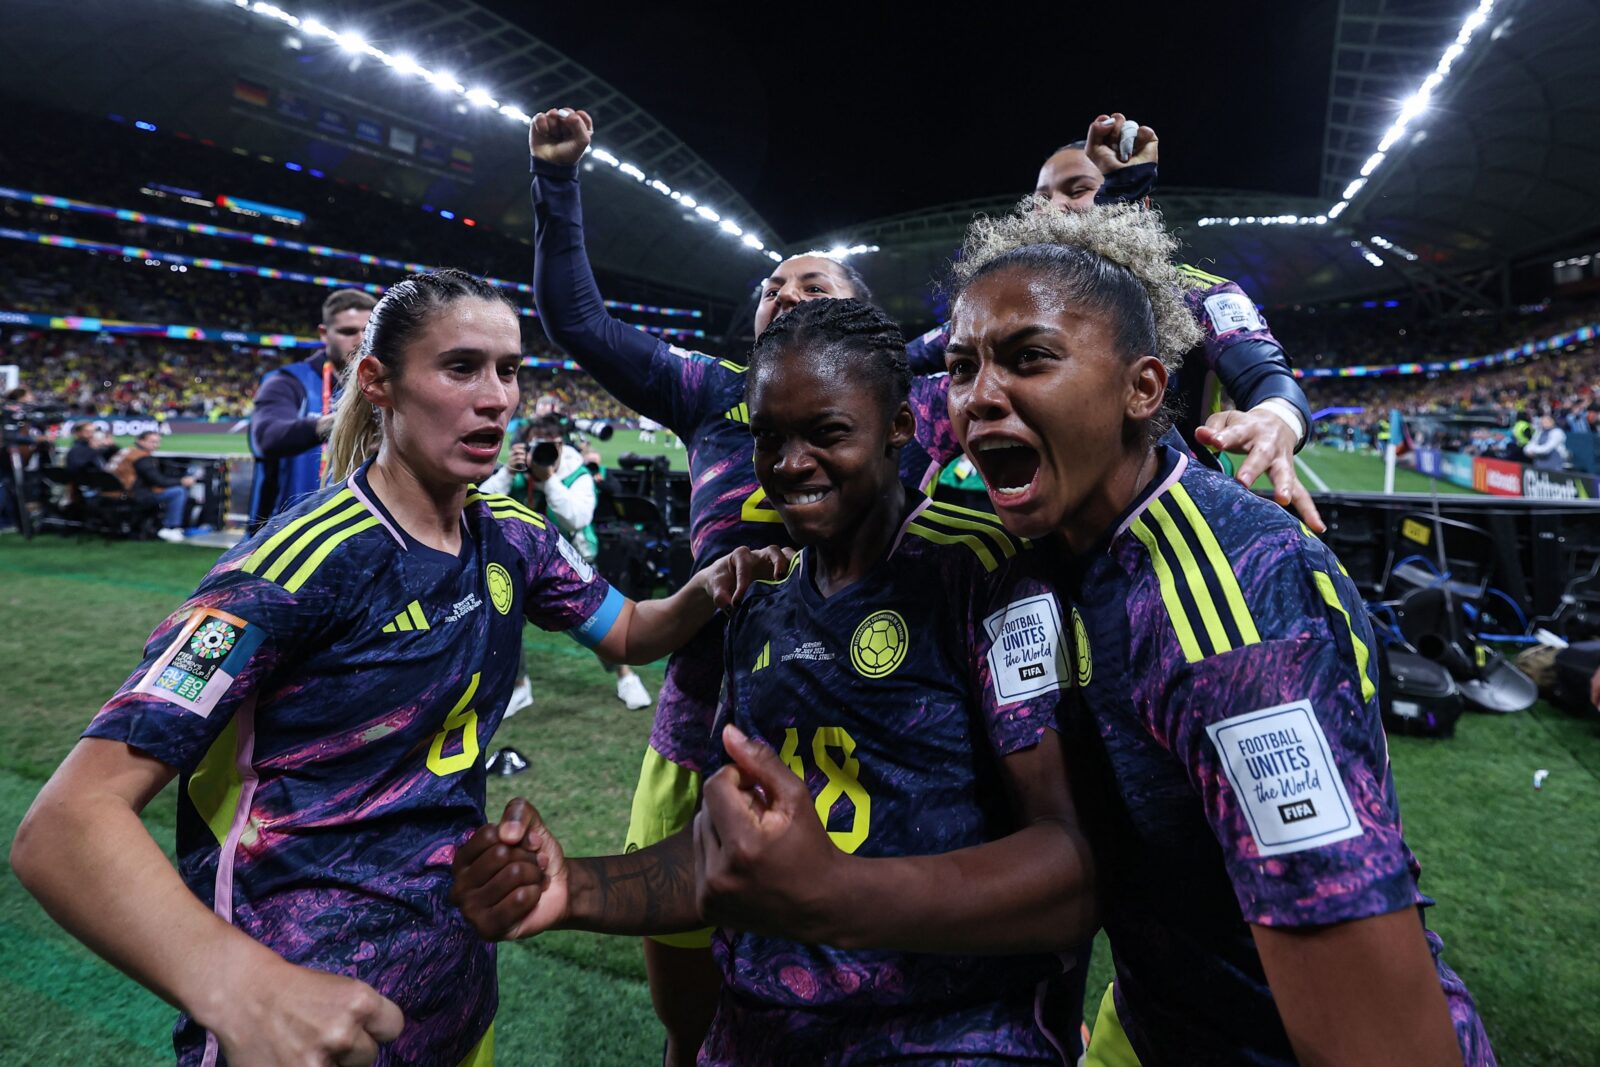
824 116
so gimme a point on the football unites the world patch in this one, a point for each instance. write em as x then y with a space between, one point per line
879 644
1283 773
209 651
1026 653
499 581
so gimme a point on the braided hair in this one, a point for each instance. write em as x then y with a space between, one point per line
397 319
834 331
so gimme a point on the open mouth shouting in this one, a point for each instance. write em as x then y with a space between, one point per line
1010 468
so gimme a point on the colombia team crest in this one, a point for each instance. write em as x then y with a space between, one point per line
1080 641
879 644
499 581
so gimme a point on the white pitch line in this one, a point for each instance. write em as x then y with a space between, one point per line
1310 475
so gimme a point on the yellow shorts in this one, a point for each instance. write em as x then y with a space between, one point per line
1108 1043
481 1054
663 804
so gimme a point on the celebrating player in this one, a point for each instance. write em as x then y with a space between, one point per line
1237 356
701 401
1261 903
325 696
910 822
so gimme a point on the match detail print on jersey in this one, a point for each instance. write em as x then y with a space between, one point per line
1025 653
1282 770
202 661
1233 311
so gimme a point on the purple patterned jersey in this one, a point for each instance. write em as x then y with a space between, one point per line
702 400
1232 761
894 700
326 696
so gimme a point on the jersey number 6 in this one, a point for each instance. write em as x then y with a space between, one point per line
462 717
844 780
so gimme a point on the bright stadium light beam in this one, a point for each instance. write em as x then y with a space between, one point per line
354 43
730 227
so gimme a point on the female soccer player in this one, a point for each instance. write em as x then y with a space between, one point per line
893 819
701 400
1261 903
325 697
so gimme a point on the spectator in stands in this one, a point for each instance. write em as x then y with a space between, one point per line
1548 449
294 409
136 468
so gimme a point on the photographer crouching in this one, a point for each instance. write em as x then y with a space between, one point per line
553 478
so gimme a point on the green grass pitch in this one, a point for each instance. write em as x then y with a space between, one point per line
1513 870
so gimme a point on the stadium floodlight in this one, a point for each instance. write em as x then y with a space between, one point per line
351 41
729 226
1353 188
774 256
1371 164
752 240
1338 209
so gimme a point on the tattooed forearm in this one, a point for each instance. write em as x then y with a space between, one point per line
650 891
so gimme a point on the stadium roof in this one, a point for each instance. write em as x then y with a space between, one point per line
247 78
1497 170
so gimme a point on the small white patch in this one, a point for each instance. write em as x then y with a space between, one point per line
1282 771
1026 657
808 650
1233 311
579 564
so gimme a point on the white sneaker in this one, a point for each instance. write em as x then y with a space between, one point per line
171 535
631 691
521 697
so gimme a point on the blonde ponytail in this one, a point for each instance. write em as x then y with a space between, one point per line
357 428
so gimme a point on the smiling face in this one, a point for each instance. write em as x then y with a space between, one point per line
800 278
1045 405
1070 180
447 407
826 443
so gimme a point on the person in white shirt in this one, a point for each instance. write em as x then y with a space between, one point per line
544 465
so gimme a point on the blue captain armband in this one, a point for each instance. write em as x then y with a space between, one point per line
595 628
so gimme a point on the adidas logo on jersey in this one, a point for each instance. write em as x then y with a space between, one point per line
410 619
765 659
738 413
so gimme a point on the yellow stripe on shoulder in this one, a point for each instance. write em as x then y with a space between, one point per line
317 558
966 520
1191 271
1232 592
277 540
1167 581
794 562
1330 596
737 368
941 537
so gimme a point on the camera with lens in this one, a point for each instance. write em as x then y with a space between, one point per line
545 454
27 423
